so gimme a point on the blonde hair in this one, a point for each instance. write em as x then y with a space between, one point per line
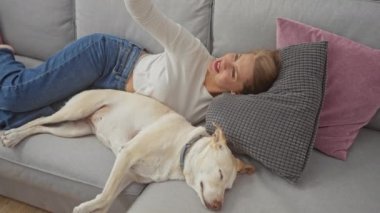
265 71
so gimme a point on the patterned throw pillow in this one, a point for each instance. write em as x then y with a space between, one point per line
277 127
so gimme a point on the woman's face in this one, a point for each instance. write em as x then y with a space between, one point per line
232 71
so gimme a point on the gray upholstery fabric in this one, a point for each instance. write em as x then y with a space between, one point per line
277 127
37 28
60 168
375 122
243 25
253 25
328 185
195 15
28 62
50 192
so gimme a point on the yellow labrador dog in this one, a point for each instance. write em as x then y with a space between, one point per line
151 142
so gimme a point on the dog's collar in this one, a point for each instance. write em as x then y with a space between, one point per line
186 148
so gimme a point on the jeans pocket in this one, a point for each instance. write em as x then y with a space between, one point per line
122 60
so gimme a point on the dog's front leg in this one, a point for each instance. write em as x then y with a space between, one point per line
117 181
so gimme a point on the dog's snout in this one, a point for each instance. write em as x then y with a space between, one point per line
215 205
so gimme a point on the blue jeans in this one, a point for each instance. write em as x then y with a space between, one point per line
93 62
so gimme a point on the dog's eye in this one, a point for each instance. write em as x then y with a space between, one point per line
221 174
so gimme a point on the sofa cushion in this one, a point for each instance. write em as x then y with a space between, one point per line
244 25
75 169
28 62
111 16
277 127
329 185
37 28
352 94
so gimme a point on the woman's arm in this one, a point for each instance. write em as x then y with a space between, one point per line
173 37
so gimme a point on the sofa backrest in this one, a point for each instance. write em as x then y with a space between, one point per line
110 16
37 28
243 25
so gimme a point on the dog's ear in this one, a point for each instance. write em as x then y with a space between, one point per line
243 168
218 136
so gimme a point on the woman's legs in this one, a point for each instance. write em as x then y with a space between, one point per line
96 61
85 63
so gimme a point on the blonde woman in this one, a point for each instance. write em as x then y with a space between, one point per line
185 76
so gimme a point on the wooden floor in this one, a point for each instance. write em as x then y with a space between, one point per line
11 206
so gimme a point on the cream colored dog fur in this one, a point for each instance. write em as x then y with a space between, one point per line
147 138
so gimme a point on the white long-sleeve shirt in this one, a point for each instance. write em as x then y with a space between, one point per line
176 76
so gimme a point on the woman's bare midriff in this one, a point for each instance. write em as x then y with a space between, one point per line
129 83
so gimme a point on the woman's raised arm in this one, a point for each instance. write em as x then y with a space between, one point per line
172 36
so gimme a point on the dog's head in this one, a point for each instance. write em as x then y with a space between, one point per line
213 170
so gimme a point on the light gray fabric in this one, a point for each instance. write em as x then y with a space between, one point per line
277 127
110 16
28 62
329 185
375 122
50 192
243 25
37 28
74 168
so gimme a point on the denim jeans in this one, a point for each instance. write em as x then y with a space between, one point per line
93 62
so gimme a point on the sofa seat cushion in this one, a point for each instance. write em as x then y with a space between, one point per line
329 185
83 161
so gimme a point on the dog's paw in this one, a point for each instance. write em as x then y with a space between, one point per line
11 138
79 209
87 207
82 208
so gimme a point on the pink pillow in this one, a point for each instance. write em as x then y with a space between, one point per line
352 94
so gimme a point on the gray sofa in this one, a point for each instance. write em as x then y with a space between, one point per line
57 174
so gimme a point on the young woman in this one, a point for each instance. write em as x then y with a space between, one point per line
185 76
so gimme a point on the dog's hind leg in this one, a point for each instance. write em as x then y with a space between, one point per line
117 181
65 129
80 106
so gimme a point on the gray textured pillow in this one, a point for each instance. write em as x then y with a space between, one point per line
277 127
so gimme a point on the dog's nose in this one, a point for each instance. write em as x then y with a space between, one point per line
215 205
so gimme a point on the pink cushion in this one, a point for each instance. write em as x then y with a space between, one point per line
352 94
